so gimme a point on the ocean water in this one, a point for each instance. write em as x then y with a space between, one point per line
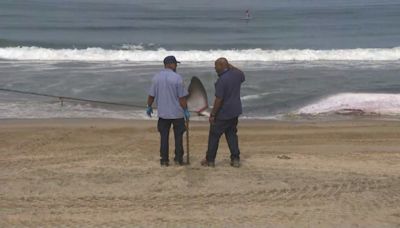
302 58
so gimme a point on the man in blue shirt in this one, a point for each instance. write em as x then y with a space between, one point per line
224 116
168 91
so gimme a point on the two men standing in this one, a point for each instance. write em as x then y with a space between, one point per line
168 91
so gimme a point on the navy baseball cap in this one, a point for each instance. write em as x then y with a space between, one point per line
170 59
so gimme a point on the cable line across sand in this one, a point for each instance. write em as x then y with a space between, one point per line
62 98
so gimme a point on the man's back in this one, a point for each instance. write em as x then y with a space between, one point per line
167 87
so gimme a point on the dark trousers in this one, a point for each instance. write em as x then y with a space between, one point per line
229 128
163 126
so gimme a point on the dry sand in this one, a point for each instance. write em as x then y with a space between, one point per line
73 173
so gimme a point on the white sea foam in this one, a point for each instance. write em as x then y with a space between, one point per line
254 96
137 54
378 103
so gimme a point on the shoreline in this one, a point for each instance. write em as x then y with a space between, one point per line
108 121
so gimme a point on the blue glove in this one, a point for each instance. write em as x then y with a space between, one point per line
149 111
186 113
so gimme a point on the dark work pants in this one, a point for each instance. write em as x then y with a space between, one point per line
229 128
163 126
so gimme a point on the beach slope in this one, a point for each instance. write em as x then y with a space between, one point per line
106 173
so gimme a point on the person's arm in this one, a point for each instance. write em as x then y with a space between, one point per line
233 67
150 100
152 93
183 102
217 106
219 99
182 94
149 109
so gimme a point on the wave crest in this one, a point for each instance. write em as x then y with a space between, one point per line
139 54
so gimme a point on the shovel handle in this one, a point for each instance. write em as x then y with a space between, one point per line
187 143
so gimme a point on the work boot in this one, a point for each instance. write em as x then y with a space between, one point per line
235 163
180 163
164 163
204 162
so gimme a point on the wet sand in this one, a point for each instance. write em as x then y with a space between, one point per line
93 172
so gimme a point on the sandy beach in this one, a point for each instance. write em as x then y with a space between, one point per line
95 172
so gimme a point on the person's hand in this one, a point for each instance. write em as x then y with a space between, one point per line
186 113
211 119
149 111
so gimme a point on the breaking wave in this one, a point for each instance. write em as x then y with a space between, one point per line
141 54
